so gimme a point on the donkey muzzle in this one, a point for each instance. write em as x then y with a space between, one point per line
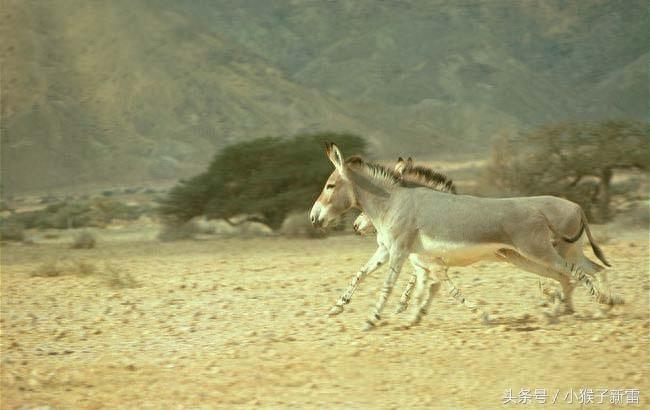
316 222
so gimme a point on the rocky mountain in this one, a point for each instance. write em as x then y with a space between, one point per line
127 92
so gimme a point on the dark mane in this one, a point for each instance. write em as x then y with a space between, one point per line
429 178
375 170
416 176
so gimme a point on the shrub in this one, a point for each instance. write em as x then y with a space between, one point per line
576 161
48 270
83 268
117 278
177 230
64 215
297 225
268 176
84 240
12 231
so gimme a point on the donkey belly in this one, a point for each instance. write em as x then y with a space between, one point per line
458 253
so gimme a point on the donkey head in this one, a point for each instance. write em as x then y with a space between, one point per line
337 196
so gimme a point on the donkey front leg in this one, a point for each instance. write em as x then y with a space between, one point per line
396 262
406 295
379 258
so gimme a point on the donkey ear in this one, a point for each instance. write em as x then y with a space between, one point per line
409 163
399 166
334 154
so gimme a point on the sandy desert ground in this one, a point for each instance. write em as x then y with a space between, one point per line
241 323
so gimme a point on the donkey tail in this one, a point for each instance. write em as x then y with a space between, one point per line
584 227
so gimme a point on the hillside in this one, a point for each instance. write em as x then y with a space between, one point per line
128 92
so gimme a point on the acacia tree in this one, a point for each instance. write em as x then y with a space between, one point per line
264 179
576 161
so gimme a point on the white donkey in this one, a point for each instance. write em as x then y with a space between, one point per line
562 214
448 230
425 177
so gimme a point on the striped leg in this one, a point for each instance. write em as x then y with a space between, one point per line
548 294
380 256
396 263
433 289
456 294
406 296
566 305
541 252
425 292
577 271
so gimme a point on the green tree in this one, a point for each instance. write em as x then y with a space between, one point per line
267 177
576 161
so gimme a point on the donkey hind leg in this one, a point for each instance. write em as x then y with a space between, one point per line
419 269
424 293
548 292
542 252
457 295
380 256
526 264
397 259
578 271
580 266
575 255
406 295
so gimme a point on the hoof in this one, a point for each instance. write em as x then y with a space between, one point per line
400 308
564 311
410 325
551 317
485 318
414 322
335 310
616 300
368 326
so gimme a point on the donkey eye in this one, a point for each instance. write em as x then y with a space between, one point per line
330 186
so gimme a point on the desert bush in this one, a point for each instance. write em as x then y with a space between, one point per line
117 278
48 269
297 225
84 240
84 268
636 215
5 206
576 161
268 176
113 209
61 215
177 230
111 275
12 231
252 229
78 214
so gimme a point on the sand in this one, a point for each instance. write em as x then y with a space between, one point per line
241 323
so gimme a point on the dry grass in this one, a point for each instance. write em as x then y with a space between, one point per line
117 278
112 275
178 231
84 240
48 270
12 231
297 225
